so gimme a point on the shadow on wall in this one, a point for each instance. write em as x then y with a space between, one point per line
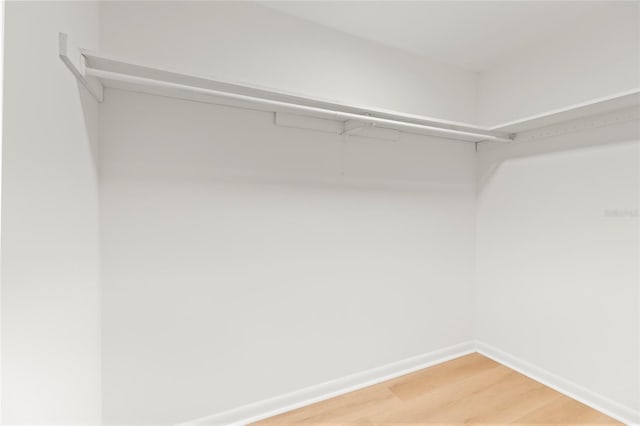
90 109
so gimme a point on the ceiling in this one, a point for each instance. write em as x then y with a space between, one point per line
469 34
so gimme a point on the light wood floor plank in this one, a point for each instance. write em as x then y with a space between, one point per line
352 407
431 406
468 390
564 410
424 381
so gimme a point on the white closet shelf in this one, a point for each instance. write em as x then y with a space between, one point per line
594 107
96 71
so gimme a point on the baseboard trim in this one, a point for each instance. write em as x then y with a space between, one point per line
280 404
596 401
300 398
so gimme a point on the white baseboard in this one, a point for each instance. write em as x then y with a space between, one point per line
300 398
290 401
611 408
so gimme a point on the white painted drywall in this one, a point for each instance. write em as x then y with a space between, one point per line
50 309
242 260
557 280
593 58
245 42
470 34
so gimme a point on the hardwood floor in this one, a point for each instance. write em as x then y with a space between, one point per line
469 390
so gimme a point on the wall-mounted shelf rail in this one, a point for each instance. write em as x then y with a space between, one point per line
96 71
117 73
594 107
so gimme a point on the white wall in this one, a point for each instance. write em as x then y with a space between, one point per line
280 271
240 41
183 201
557 278
50 309
592 59
242 260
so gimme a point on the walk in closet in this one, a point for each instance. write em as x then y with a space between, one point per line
215 212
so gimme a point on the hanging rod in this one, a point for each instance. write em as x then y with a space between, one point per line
332 114
95 71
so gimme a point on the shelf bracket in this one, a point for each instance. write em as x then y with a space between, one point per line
369 129
92 84
352 127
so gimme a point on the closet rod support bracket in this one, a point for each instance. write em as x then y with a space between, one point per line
93 86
